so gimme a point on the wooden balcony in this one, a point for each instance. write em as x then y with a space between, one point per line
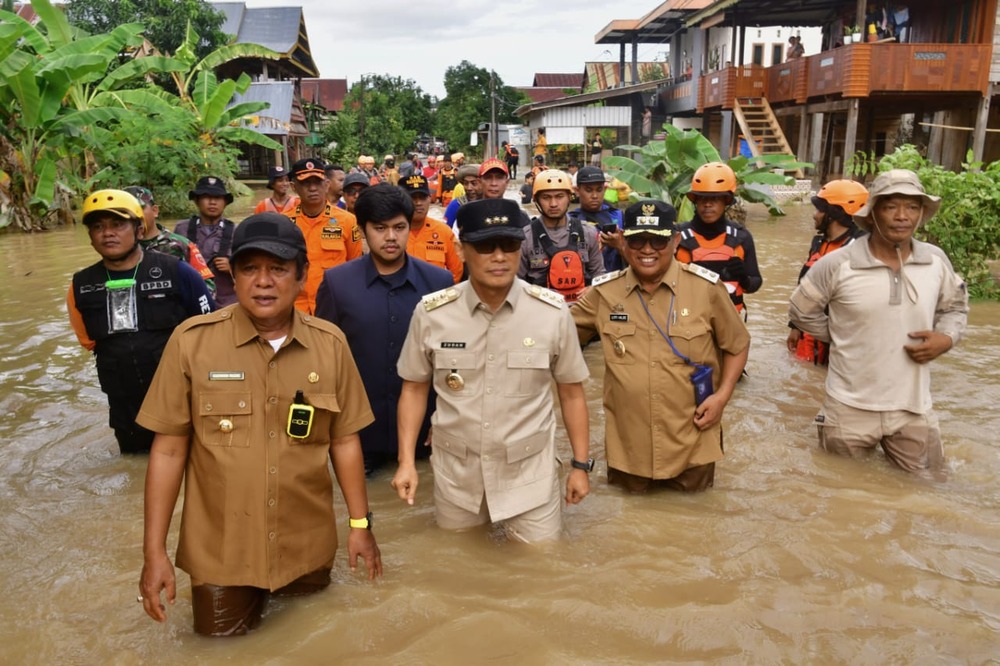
854 70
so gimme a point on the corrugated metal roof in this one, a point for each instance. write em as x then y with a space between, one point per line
557 80
328 93
276 119
277 28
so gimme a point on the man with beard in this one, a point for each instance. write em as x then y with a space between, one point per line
124 308
559 253
332 235
372 301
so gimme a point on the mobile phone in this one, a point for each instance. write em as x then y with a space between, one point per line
300 418
609 228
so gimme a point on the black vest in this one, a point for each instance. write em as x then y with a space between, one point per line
158 303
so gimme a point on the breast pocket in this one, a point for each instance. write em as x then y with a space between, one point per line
224 419
456 372
528 372
435 257
618 340
694 340
326 407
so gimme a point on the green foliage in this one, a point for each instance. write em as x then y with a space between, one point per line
165 21
382 114
467 103
861 164
663 170
965 227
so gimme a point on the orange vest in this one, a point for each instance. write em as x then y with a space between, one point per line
435 244
332 238
713 255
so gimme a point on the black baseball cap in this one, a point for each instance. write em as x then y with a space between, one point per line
489 218
649 217
269 232
589 174
309 167
415 184
274 173
356 179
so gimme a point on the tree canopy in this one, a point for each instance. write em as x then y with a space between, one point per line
165 21
467 102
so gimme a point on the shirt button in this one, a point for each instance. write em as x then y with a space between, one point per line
489 390
392 318
272 364
242 404
273 400
271 536
655 396
270 502
208 407
652 364
486 426
491 357
273 470
486 458
272 434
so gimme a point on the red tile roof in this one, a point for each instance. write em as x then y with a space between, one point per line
557 80
328 93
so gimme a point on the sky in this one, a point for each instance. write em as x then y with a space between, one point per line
420 39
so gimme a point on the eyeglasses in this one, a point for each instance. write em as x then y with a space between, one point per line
656 242
506 245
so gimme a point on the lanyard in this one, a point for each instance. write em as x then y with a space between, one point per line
666 337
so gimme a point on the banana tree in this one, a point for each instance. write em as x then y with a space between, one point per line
663 170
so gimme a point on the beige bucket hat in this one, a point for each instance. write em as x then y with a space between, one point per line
896 181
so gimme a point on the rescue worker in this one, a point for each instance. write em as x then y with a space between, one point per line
251 406
491 347
332 235
124 307
493 178
558 252
447 178
674 349
606 219
212 232
713 241
389 173
888 305
281 200
468 178
336 175
370 170
372 300
835 203
155 237
430 239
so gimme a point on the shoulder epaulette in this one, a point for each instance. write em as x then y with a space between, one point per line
439 298
607 277
702 272
545 295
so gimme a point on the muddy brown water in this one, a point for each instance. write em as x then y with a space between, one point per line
794 557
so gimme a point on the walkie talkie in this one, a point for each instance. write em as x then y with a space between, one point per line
300 417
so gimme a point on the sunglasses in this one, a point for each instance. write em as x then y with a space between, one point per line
506 245
656 242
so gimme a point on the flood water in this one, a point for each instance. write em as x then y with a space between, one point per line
794 557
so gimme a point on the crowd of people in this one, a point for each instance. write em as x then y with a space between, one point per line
344 324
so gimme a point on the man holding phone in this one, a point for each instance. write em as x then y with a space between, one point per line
595 211
661 323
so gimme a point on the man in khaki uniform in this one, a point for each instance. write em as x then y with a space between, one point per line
492 346
657 433
249 406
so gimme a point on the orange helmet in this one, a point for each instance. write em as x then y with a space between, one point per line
850 195
713 179
551 179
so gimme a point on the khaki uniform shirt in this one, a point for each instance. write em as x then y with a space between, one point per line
494 431
258 504
648 395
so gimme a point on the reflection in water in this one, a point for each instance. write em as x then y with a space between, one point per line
795 556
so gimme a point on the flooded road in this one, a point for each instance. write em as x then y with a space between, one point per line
794 557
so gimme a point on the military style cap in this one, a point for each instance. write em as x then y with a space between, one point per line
415 184
649 217
142 194
489 218
269 232
896 182
310 167
210 186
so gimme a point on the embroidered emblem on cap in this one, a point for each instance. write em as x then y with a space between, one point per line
415 181
213 181
310 165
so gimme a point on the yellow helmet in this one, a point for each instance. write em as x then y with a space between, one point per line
551 179
116 202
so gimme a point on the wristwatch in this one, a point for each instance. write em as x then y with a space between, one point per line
587 467
362 523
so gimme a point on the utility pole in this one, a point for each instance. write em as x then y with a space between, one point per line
361 120
491 145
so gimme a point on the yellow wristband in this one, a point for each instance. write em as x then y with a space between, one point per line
361 523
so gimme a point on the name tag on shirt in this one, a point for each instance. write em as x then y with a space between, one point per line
452 345
225 376
619 317
332 233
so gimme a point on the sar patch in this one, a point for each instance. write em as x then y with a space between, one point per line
332 233
356 234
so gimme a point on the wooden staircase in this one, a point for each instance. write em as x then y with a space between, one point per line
761 128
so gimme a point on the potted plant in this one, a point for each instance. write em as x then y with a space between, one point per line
856 34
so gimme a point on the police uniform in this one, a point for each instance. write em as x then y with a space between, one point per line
649 399
535 261
494 455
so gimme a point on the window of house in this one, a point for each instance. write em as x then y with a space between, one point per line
758 54
777 53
